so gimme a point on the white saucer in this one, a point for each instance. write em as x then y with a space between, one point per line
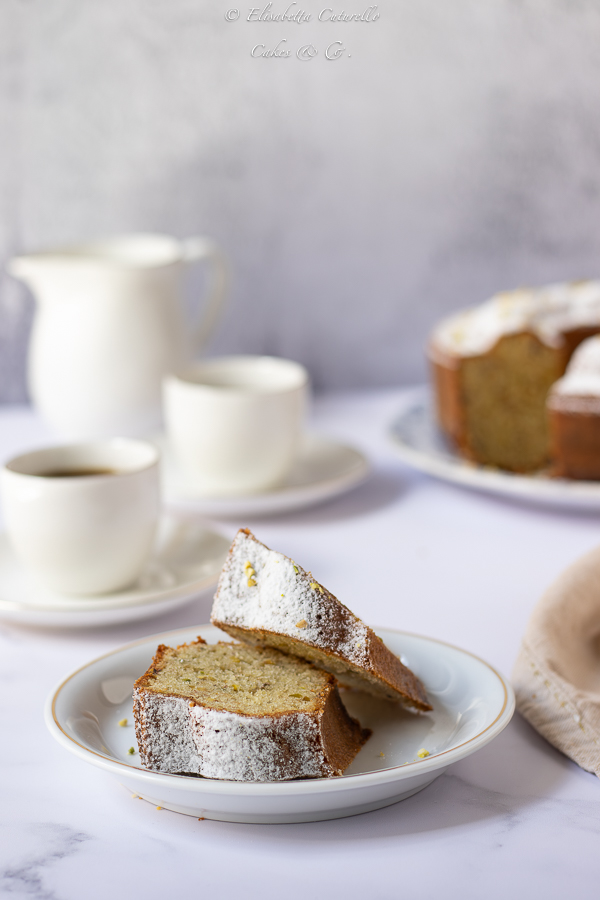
472 704
420 444
324 469
186 561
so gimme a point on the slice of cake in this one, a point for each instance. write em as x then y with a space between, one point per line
241 713
265 598
574 415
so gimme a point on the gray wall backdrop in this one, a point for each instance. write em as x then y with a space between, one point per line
456 152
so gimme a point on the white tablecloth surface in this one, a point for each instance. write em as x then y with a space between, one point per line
515 820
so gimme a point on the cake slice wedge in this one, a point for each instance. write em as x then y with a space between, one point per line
573 406
264 598
241 713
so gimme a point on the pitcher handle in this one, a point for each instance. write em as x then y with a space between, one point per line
199 248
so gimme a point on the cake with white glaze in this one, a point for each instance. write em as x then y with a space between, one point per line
574 415
241 713
494 364
266 599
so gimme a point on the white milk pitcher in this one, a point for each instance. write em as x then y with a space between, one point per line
109 325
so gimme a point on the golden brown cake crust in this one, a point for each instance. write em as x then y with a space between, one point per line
449 407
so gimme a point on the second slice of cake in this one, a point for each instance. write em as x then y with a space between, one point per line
574 415
265 598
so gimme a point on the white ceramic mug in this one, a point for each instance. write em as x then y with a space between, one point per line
235 423
83 517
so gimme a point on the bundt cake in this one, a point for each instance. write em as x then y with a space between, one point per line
493 366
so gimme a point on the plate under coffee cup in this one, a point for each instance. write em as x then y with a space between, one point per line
324 469
186 561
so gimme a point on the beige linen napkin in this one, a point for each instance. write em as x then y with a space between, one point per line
557 674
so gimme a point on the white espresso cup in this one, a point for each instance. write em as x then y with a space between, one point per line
235 423
83 517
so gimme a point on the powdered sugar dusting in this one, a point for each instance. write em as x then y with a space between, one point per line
546 312
177 738
240 748
281 597
163 734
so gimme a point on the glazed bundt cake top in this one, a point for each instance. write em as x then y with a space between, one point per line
548 312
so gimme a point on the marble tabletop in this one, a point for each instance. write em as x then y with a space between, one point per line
405 551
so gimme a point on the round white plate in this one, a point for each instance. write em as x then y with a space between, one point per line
421 444
324 469
186 560
472 703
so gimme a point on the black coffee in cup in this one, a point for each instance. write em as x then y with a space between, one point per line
76 473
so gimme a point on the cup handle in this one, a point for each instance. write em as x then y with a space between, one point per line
195 249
